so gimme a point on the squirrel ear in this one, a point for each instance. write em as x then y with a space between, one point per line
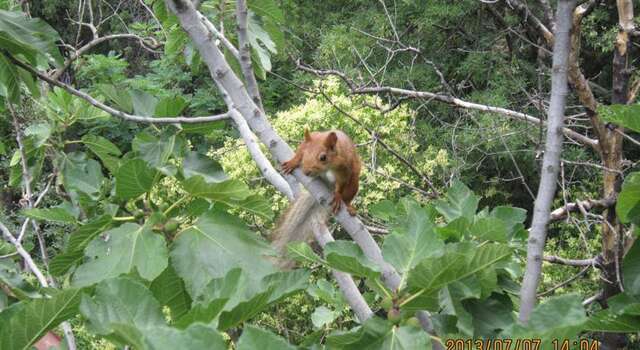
307 135
330 141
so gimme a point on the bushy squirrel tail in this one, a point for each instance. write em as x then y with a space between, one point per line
295 225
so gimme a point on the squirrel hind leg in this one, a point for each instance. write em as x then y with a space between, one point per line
352 210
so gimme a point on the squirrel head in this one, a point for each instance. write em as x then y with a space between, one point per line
320 150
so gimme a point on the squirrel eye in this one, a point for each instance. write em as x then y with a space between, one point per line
323 158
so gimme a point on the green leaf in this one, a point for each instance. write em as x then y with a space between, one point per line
143 103
450 299
256 338
29 320
489 229
104 149
377 334
631 270
255 204
608 321
196 337
50 214
560 317
260 41
216 244
244 296
119 96
82 175
120 251
459 261
195 164
134 178
121 300
169 289
413 241
30 81
11 277
9 80
623 115
34 158
628 205
20 34
202 312
228 192
348 257
78 240
510 216
322 316
154 150
244 310
460 201
170 106
384 210
39 132
454 230
301 251
491 315
286 283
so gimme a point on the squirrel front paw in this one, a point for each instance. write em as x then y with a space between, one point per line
335 204
288 166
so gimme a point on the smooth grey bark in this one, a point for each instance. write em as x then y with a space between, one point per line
550 161
245 53
234 90
345 282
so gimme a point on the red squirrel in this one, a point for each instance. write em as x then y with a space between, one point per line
334 153
330 153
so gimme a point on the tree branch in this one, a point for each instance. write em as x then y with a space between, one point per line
67 63
583 206
267 170
245 53
449 100
550 162
227 81
564 283
117 113
345 282
571 262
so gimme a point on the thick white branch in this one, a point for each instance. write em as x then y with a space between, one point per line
227 81
267 170
245 53
550 162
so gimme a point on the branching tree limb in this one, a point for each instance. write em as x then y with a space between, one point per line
550 162
114 112
245 53
265 167
227 81
571 262
582 206
449 100
149 43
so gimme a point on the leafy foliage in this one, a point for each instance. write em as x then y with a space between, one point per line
155 233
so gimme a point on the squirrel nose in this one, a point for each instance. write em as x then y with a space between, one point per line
307 172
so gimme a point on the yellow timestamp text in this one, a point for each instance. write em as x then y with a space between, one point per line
520 344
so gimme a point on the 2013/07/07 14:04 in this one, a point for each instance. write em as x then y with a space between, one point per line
519 344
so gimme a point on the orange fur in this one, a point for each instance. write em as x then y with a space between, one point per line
333 151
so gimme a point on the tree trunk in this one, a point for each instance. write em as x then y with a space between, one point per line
551 160
611 143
